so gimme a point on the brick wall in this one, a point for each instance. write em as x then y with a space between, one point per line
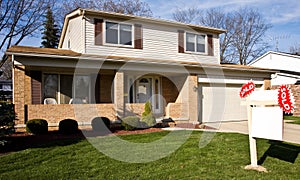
54 113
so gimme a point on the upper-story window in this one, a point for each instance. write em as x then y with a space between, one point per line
118 33
195 43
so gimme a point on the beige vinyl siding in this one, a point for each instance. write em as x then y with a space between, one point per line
74 33
159 42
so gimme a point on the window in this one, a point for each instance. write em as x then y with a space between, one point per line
67 88
195 43
117 33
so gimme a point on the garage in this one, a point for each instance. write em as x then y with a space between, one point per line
221 101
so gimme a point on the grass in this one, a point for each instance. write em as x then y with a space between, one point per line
223 158
296 119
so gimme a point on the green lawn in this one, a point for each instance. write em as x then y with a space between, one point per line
223 158
296 119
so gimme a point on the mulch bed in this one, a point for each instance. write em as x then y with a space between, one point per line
23 140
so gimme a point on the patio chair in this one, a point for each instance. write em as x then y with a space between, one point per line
50 101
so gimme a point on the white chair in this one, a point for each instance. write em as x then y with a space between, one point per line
75 101
50 101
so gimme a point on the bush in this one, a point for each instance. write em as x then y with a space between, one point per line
149 120
99 123
68 126
7 117
37 126
147 117
130 123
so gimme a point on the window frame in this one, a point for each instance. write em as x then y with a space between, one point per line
119 32
58 99
195 44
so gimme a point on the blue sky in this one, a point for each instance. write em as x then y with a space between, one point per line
284 15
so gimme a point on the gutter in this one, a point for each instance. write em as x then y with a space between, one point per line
170 63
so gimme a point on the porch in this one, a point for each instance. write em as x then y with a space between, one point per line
87 94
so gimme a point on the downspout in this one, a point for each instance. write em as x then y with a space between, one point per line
13 77
83 32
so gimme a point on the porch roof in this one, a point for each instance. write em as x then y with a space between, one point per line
63 54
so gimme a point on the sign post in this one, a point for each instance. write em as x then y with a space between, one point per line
265 116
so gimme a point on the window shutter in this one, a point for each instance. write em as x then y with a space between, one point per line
36 87
210 45
98 31
138 36
180 41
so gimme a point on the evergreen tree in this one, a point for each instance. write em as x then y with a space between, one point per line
50 32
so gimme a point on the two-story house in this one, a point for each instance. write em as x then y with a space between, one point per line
110 64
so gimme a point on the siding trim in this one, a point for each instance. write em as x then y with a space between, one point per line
98 31
180 41
36 87
138 36
210 45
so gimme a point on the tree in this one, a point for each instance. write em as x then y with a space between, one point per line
295 49
20 19
134 7
243 41
50 32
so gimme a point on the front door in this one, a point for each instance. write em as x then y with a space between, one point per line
148 89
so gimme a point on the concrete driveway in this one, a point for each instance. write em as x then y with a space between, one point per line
291 132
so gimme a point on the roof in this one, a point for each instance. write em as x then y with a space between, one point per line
82 12
37 50
273 52
68 54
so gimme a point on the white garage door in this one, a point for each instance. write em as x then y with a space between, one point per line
220 103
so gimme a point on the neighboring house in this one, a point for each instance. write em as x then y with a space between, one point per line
5 90
288 71
110 64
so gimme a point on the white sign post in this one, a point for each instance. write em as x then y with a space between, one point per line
265 120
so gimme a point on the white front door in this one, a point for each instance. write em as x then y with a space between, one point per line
148 89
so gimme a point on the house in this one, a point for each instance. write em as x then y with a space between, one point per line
288 71
110 64
5 90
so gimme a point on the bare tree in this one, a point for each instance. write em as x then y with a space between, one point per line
190 15
20 19
243 41
134 7
295 49
249 30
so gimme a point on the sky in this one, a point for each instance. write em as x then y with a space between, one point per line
283 15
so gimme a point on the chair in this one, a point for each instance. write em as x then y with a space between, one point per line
75 101
50 101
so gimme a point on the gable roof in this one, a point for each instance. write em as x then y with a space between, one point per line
82 12
273 52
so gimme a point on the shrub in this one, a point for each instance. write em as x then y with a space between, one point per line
147 117
99 123
130 123
68 126
7 117
37 126
149 120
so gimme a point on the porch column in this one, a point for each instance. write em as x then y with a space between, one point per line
19 93
193 97
119 94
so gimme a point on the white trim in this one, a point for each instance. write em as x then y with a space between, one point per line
226 81
119 35
196 35
273 52
13 78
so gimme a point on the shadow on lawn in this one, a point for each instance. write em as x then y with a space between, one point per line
282 151
22 141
